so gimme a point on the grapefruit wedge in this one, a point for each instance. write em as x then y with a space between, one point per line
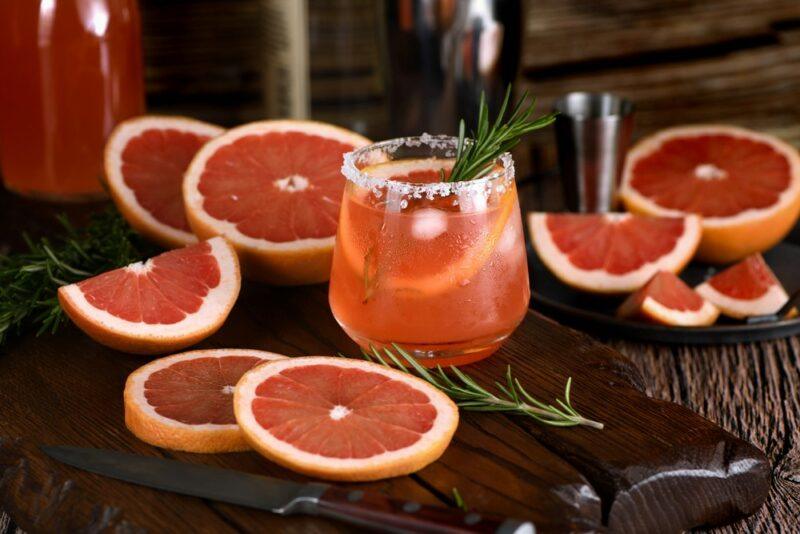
746 185
164 304
185 401
274 189
746 289
667 300
612 252
343 419
145 158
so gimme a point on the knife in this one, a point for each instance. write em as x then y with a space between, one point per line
284 497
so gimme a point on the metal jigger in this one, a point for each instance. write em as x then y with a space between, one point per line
593 131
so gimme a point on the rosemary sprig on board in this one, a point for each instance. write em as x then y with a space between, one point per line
476 157
469 395
29 280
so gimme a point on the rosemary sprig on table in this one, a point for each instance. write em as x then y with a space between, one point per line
29 280
459 501
469 395
476 157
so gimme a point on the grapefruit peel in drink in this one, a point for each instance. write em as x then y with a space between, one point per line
612 253
745 184
185 401
462 269
273 188
342 419
160 305
667 300
145 159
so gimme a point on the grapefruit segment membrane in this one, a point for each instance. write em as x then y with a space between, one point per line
185 401
745 185
159 305
612 252
666 299
145 159
745 289
274 189
342 419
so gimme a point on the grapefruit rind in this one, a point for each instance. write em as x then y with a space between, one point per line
143 338
303 261
769 302
153 428
654 311
599 280
385 465
725 239
124 197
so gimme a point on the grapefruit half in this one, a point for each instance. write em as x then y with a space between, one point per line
274 189
746 289
612 252
145 158
745 184
343 419
185 401
666 299
163 304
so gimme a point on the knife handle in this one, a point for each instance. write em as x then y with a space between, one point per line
391 515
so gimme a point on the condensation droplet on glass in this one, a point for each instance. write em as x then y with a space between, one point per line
403 204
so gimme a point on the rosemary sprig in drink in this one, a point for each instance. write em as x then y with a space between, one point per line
476 157
29 280
468 395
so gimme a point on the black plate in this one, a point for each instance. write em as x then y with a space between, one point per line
596 313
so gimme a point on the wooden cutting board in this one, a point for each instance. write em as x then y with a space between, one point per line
656 467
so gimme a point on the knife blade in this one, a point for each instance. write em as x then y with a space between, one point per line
283 497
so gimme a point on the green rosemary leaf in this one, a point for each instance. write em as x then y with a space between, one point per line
469 395
475 158
459 501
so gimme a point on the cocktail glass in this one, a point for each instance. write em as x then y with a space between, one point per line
437 267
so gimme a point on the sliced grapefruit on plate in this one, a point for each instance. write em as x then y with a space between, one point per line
185 401
746 289
745 185
343 419
612 252
163 304
666 299
145 158
274 189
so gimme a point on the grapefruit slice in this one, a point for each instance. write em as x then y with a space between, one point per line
343 419
185 401
745 184
427 231
666 299
274 189
746 289
612 252
166 303
145 158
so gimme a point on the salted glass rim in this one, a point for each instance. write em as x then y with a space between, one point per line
351 171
